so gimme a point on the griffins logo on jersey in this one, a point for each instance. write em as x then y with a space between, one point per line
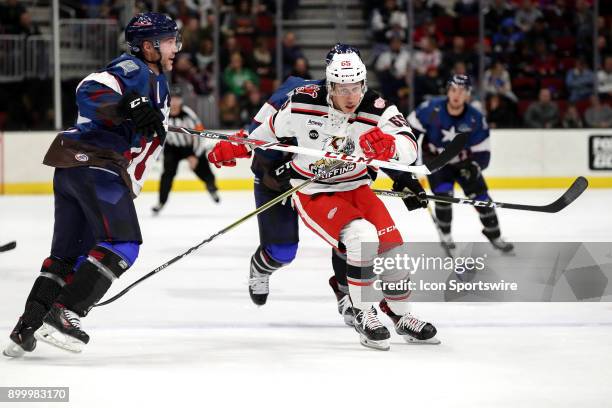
321 168
312 90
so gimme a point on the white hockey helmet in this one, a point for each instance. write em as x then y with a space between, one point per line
344 66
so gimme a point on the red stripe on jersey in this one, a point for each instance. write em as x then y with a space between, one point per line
140 167
272 124
308 112
301 171
96 94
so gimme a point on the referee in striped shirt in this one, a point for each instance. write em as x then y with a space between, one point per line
181 146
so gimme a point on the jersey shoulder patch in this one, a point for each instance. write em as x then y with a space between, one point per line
128 66
311 94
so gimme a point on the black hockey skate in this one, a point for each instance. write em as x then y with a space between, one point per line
62 328
215 196
499 243
372 333
156 209
259 286
413 330
22 340
344 302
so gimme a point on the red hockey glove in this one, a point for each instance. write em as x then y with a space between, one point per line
225 153
377 145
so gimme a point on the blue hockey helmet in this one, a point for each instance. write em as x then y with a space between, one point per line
150 27
462 81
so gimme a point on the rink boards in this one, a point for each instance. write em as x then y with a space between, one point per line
521 158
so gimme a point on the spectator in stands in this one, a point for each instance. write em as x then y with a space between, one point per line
572 119
497 82
544 62
243 20
291 52
391 68
579 81
26 26
458 54
384 18
263 59
497 12
205 55
604 79
429 56
225 53
191 34
428 29
235 76
598 115
543 113
10 14
185 72
300 69
500 113
508 37
583 21
466 7
251 106
229 111
429 85
527 15
458 69
539 33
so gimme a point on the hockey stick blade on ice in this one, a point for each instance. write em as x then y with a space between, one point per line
451 151
264 207
570 195
8 246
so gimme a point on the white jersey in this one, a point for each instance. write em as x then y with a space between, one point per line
308 121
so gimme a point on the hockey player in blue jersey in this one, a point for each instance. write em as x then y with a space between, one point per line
439 121
100 167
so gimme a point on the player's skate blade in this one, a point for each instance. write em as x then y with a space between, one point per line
13 350
62 328
374 344
50 335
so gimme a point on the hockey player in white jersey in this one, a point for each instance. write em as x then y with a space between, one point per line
343 116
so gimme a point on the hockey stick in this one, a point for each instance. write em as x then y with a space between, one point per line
571 194
452 149
258 210
8 246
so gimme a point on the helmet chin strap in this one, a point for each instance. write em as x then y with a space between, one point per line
158 61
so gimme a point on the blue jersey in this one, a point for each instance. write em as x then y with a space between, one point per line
102 136
438 127
269 159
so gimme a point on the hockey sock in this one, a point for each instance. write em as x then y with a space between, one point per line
339 265
93 278
444 215
262 262
490 223
54 274
396 291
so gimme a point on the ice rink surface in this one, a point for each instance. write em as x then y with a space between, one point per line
190 336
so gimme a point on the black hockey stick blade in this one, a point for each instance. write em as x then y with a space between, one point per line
8 247
570 195
449 153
